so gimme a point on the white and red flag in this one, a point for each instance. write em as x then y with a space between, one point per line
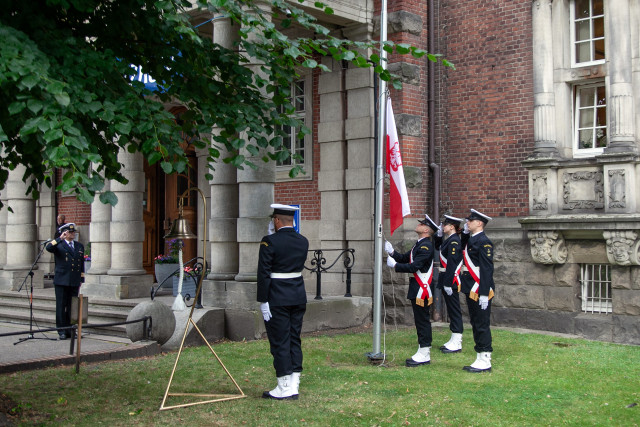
398 198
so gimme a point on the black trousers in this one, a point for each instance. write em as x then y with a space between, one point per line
284 329
454 311
480 323
423 323
63 306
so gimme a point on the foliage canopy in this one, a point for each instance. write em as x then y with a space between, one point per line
70 100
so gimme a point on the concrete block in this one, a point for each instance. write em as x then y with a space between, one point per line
566 275
360 78
163 322
409 124
330 82
403 21
359 229
361 103
635 278
594 326
520 296
337 313
561 299
117 287
243 325
409 73
586 252
333 180
357 179
333 230
358 128
331 107
626 302
211 323
330 131
626 329
620 277
360 153
332 155
333 204
542 320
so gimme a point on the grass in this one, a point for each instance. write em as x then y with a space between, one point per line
536 380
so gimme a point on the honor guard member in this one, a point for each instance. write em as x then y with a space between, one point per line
478 286
283 299
448 243
68 275
419 262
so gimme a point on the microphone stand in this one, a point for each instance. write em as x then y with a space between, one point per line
30 275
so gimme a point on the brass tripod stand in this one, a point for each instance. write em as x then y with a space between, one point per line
180 230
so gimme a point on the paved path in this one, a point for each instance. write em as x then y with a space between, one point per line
42 351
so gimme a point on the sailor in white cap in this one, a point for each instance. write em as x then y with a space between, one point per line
283 300
478 286
419 262
448 243
68 274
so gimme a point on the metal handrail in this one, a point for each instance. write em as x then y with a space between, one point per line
318 263
198 263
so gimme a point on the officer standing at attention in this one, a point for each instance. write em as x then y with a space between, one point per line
478 286
419 262
68 276
283 299
448 243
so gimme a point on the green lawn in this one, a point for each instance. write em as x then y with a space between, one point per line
536 380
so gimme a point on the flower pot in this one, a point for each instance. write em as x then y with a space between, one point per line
189 285
87 266
163 271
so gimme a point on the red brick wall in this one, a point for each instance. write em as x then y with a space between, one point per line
485 117
73 210
305 193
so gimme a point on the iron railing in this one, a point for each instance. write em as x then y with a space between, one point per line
196 264
318 266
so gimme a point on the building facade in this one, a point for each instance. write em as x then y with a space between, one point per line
537 127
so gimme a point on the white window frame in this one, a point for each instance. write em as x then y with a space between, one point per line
596 279
594 151
282 171
572 12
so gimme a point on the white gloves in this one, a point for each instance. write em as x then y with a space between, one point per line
439 234
391 262
484 302
465 230
266 313
388 247
448 290
272 228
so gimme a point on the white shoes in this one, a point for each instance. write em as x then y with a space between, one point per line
454 345
285 390
422 357
482 363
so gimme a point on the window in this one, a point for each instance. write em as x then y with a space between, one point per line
590 121
587 32
596 288
299 147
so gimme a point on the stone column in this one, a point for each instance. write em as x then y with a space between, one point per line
47 225
100 236
360 172
125 278
255 194
620 105
544 105
333 164
21 234
224 193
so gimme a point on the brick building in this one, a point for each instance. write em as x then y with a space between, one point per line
537 127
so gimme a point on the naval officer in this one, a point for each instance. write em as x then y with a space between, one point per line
419 262
478 287
68 275
448 243
283 299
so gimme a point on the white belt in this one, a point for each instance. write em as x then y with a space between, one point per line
286 275
442 269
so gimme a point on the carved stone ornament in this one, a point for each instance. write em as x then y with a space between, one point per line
622 247
583 190
547 247
617 189
539 191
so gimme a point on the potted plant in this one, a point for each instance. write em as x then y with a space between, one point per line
167 265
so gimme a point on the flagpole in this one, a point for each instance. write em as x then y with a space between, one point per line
376 354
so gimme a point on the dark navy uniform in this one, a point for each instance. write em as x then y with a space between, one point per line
419 258
283 254
68 276
451 249
479 250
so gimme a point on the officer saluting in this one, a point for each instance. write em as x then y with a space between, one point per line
283 299
68 275
448 243
478 286
419 262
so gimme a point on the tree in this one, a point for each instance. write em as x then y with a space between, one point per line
68 99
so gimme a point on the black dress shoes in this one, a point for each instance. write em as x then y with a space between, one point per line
475 370
410 363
